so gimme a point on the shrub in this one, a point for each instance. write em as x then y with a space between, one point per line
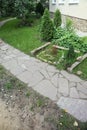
69 57
57 19
46 28
39 9
64 37
69 24
71 53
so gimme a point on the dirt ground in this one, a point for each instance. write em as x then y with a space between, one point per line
21 108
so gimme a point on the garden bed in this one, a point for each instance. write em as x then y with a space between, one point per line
56 56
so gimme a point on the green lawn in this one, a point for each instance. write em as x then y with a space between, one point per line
24 38
4 18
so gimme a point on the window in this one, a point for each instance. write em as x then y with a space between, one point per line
74 1
53 1
61 1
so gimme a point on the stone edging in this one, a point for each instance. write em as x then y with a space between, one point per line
39 48
63 48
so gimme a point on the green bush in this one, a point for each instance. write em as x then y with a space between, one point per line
57 19
46 28
71 53
69 57
39 9
69 24
64 37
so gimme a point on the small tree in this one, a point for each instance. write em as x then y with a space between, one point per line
46 26
57 19
39 9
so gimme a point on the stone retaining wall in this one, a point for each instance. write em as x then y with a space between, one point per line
80 24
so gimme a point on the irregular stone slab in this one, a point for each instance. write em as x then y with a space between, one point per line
10 64
44 73
25 76
54 80
81 88
17 70
70 77
74 93
76 107
82 95
63 86
84 84
51 68
72 84
30 78
35 79
46 89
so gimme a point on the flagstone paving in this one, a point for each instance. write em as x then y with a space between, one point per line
67 90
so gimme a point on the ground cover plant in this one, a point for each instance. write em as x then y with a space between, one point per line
25 38
30 109
64 37
83 68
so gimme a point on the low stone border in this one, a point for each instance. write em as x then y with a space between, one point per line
79 60
63 48
40 48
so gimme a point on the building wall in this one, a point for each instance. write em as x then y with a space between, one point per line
77 12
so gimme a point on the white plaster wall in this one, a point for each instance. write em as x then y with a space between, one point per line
76 10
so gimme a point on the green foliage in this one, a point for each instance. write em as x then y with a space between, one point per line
64 37
46 28
71 53
57 19
28 94
8 85
69 57
7 8
23 10
39 9
69 24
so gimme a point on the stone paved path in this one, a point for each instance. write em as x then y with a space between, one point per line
67 90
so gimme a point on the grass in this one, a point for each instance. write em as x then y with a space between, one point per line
83 68
24 38
3 18
36 103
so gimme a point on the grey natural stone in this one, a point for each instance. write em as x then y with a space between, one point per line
63 86
82 95
10 64
70 77
81 88
74 93
76 107
51 68
72 84
54 80
47 89
25 76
